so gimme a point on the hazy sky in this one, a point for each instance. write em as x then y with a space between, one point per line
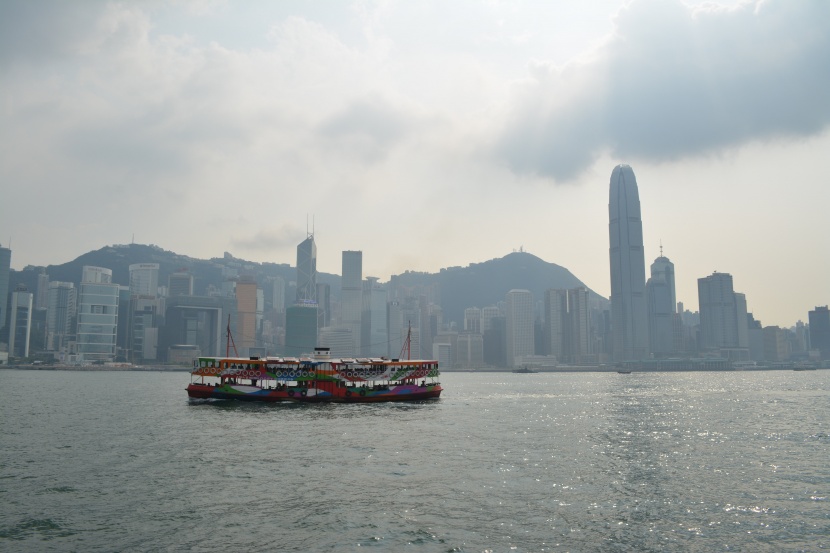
426 134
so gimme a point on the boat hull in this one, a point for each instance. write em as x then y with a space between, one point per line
404 392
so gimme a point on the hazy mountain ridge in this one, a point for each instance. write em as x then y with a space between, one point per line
476 285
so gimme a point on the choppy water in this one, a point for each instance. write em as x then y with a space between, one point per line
122 461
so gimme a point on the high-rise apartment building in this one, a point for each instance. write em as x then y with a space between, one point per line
97 316
61 306
819 319
20 322
629 318
520 330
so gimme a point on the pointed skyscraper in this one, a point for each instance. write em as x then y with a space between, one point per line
628 268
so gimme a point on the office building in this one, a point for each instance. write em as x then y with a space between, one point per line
180 284
819 319
20 322
351 295
724 324
520 330
97 320
661 308
629 319
301 329
144 279
42 293
307 270
246 312
61 306
374 337
5 271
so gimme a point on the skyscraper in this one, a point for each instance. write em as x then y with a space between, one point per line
723 320
520 331
144 279
20 322
351 296
5 269
246 308
820 330
60 314
628 268
661 307
97 315
307 270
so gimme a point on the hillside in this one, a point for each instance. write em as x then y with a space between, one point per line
477 285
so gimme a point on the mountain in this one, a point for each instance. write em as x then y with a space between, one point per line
487 283
454 288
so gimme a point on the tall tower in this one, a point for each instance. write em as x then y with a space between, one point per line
5 269
723 320
20 322
820 330
661 306
307 270
351 296
520 332
628 268
97 325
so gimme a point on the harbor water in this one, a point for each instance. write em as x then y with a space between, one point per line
696 461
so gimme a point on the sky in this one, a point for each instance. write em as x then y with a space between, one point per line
425 133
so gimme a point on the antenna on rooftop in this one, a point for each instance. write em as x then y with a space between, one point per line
661 247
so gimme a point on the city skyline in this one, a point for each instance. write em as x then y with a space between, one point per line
492 132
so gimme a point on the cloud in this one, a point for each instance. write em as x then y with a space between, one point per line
675 81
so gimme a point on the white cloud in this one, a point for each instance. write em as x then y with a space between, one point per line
675 81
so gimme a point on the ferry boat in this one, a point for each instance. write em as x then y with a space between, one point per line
317 378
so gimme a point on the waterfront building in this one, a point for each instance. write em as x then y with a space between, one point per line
470 350
629 319
579 324
556 323
200 322
20 322
97 320
724 324
338 338
5 271
487 315
819 319
776 344
662 304
520 330
61 306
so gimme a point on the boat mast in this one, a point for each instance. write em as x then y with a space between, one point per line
230 341
407 344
